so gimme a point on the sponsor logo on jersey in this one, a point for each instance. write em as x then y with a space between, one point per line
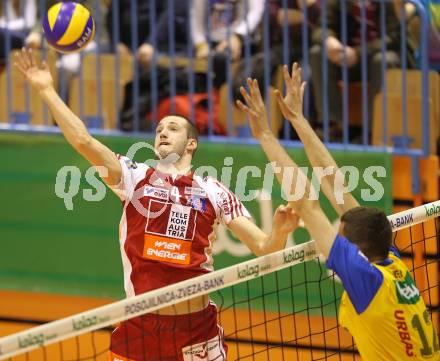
197 203
406 291
398 274
167 249
178 221
157 193
158 182
209 350
194 191
130 164
202 355
170 240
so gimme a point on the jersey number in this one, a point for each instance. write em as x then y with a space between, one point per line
175 194
427 350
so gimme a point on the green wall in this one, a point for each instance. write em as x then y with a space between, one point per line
45 247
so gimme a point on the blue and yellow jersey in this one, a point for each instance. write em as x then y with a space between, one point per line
382 307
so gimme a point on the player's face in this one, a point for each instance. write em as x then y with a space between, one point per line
171 137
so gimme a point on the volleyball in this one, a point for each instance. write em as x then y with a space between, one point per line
68 27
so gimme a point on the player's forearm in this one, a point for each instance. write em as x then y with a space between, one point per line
319 156
70 125
276 241
319 226
278 155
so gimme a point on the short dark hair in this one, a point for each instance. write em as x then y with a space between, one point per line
370 230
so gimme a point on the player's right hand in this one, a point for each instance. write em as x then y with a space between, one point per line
285 220
37 75
255 109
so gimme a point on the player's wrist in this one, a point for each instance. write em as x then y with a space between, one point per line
279 231
265 135
47 91
266 138
297 119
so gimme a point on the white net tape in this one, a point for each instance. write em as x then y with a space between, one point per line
98 318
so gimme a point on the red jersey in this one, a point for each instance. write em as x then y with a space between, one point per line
166 222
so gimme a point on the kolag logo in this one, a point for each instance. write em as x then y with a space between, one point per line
432 209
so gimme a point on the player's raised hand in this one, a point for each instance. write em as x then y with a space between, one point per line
285 220
292 104
37 75
255 108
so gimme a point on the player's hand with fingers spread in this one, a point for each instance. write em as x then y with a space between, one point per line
38 76
285 220
292 105
255 108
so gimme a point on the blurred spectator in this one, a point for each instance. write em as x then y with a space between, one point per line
292 17
336 50
295 16
16 20
432 8
143 49
176 11
229 22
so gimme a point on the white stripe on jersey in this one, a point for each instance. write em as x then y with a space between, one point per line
212 188
237 207
128 285
132 174
231 200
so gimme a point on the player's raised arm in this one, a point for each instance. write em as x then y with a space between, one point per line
309 211
257 113
319 156
73 129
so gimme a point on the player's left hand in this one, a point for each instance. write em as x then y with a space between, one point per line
255 108
285 220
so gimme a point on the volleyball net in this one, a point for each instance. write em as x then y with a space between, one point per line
281 306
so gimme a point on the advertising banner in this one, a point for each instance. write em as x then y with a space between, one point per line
59 222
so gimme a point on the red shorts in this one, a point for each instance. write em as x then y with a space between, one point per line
191 337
